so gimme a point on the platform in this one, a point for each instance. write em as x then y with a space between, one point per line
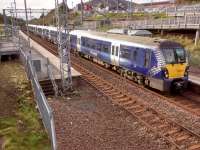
43 72
54 60
8 48
194 79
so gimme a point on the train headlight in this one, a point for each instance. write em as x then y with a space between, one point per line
186 71
165 73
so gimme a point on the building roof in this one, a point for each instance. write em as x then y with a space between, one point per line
167 2
116 31
130 32
139 32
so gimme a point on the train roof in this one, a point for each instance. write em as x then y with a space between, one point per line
126 39
148 41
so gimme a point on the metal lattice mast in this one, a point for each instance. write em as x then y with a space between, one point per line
14 24
5 23
12 19
63 41
82 8
27 29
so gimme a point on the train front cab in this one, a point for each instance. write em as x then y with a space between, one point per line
175 72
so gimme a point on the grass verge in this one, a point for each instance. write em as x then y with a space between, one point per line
134 16
23 130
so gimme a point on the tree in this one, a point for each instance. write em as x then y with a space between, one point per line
42 15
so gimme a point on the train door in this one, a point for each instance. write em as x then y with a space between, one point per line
147 60
115 54
78 43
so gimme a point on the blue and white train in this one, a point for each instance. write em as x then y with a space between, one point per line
157 63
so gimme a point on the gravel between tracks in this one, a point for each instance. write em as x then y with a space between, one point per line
164 107
88 120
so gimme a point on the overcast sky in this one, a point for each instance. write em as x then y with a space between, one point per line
48 4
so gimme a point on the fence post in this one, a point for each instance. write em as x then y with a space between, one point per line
186 21
197 37
47 65
27 68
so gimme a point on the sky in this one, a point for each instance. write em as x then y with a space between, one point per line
48 5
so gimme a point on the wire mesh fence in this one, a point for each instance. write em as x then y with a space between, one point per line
42 103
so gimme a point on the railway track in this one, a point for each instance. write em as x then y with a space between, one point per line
188 100
176 134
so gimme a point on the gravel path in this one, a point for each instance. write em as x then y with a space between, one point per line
88 120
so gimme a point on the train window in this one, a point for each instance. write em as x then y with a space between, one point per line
125 53
147 58
83 41
98 47
105 48
113 50
169 56
180 54
87 43
135 55
117 51
93 46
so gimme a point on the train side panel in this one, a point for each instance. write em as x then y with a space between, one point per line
135 59
96 49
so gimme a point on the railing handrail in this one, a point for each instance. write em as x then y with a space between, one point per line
192 21
52 77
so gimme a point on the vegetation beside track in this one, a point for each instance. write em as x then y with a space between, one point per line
74 17
21 128
133 16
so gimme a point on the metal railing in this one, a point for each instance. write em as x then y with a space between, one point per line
192 22
183 10
42 103
52 77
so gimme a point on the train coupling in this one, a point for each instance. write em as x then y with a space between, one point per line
179 85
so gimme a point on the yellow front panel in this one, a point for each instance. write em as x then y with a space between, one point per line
176 70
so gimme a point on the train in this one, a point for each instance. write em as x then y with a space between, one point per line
154 62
